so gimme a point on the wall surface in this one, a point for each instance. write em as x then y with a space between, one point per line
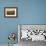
29 12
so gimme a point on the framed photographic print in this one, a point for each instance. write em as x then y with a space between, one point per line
33 32
11 12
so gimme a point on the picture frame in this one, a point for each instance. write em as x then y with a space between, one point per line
41 28
11 12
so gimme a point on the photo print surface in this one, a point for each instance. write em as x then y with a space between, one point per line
33 32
